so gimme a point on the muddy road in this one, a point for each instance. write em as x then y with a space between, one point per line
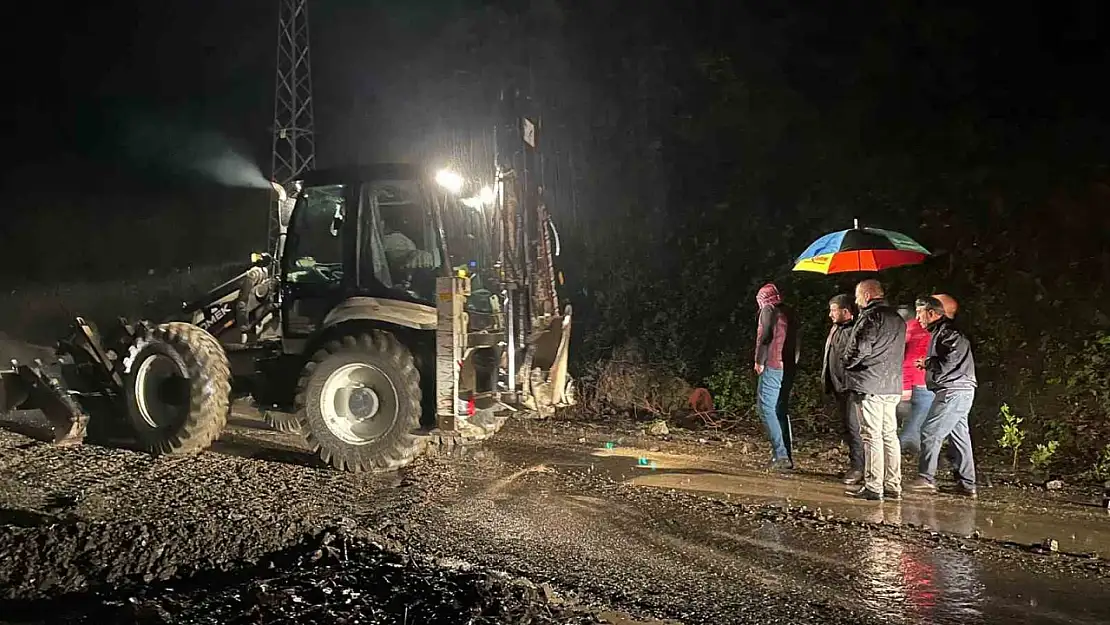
546 523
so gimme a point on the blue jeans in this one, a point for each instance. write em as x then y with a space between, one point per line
773 397
912 414
947 419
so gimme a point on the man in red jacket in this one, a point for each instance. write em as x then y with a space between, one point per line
916 399
776 358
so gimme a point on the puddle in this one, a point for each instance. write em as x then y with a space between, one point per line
1075 530
895 581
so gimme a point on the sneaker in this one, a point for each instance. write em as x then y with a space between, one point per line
970 493
852 477
922 485
863 493
893 495
782 464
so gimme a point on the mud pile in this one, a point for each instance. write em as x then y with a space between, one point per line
334 579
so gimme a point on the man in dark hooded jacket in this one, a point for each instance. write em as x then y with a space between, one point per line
776 359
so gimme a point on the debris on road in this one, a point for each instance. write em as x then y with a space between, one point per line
340 579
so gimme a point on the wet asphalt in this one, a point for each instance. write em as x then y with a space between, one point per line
626 525
679 534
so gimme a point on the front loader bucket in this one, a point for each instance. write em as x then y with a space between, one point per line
14 391
547 381
27 387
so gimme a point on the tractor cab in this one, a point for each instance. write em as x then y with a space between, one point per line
359 232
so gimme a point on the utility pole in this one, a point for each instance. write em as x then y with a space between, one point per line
294 129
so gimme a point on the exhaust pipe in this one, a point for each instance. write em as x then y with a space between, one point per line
280 190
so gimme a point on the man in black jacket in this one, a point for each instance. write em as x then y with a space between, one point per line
950 374
842 314
873 374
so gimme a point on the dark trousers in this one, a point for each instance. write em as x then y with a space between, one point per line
850 424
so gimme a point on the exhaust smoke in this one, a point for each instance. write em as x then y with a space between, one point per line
207 153
231 169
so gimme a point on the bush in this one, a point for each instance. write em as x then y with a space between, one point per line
629 383
732 387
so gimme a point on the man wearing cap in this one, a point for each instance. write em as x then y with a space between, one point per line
950 373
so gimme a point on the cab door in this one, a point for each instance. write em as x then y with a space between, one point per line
319 249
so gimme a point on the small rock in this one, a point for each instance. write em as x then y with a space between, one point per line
581 439
659 428
1054 485
549 594
703 441
728 444
1050 544
653 449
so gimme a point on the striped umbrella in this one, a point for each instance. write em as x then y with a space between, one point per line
860 249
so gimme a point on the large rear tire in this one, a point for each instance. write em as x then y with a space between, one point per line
178 387
358 403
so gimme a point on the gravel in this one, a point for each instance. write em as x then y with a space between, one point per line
334 579
524 529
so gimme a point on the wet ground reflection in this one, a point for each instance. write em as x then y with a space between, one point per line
1075 529
926 585
904 582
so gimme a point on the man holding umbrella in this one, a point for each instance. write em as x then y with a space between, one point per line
873 353
873 374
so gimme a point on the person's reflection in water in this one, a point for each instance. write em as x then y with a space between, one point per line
956 518
906 580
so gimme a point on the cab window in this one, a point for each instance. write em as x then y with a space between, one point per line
314 248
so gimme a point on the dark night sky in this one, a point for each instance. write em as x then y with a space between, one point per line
206 65
201 65
204 68
123 96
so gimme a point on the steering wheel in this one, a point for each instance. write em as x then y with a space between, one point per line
309 265
324 272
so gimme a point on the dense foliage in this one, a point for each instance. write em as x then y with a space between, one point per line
753 139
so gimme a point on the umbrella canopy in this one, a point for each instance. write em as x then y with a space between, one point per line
860 249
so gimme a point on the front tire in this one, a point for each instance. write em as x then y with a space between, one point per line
178 388
358 403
